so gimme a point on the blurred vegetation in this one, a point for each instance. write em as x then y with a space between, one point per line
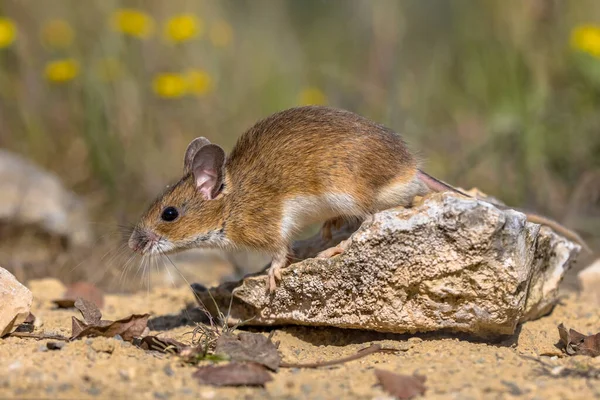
502 95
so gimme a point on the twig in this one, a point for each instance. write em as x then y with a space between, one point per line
38 337
374 348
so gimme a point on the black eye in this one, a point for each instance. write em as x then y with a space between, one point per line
169 214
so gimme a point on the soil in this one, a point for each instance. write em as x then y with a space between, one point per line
455 367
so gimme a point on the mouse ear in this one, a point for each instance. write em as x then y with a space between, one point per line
191 151
208 171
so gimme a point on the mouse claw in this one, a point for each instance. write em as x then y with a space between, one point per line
272 282
274 276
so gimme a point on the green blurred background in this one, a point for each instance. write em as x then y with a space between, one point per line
501 95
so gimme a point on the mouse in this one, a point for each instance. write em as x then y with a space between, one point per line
292 169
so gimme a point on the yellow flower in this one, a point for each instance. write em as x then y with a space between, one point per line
181 28
60 71
8 32
57 34
199 82
221 33
109 69
312 95
133 22
586 38
169 85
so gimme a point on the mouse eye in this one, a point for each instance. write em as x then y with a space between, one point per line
169 214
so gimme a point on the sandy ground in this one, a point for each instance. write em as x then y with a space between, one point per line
456 368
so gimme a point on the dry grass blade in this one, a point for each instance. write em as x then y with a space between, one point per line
164 345
374 348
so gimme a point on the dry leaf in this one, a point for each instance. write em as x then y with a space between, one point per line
64 303
85 290
127 328
90 312
27 325
233 374
401 386
248 346
576 343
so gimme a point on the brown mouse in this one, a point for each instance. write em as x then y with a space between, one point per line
294 168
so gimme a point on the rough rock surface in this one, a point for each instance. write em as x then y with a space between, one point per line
15 302
589 280
448 263
30 196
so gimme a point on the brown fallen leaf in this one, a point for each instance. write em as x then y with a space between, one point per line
27 325
233 374
85 290
127 328
252 347
90 312
94 325
576 343
64 303
401 386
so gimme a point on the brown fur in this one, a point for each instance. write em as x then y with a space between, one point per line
301 151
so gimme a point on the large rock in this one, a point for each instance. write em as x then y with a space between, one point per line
449 263
30 196
15 302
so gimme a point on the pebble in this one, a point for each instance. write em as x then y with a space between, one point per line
168 370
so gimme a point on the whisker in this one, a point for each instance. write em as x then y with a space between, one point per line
203 306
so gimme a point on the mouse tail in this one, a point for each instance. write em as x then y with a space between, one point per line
435 185
558 228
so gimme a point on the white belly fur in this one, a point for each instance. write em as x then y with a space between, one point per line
301 211
399 194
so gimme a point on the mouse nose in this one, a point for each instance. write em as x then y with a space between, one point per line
137 241
140 240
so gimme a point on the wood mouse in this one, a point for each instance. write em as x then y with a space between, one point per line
294 168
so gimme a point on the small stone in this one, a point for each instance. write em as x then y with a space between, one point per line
513 388
124 375
63 387
16 302
94 391
55 345
168 370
